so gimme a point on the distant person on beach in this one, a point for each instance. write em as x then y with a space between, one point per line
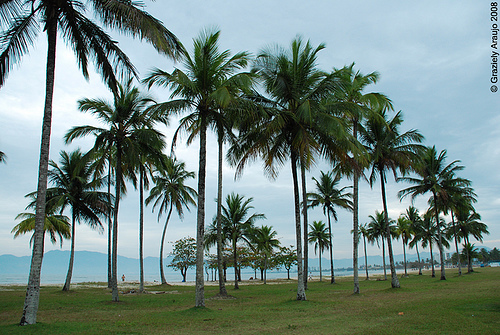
123 277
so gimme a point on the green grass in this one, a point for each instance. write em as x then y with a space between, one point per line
469 304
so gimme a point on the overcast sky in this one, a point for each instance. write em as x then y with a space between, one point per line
434 60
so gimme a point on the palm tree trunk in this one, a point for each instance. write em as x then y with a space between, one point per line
419 262
235 258
383 259
265 269
301 293
366 259
71 255
404 253
304 213
456 244
320 271
162 273
355 220
110 224
394 276
433 272
332 280
440 241
114 275
222 285
31 301
141 229
200 221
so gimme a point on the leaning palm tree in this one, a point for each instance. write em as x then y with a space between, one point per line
389 149
56 225
169 192
294 126
130 132
328 196
74 187
320 236
439 179
207 86
26 20
357 105
265 240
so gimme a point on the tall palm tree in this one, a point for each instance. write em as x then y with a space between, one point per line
88 40
389 149
379 230
3 157
468 224
149 155
208 85
328 196
265 240
414 219
74 187
320 236
169 192
357 105
130 131
294 126
57 225
403 230
439 179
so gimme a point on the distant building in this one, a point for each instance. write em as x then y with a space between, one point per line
494 264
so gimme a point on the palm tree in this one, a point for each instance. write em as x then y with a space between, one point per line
363 229
429 235
264 238
460 200
470 252
169 192
357 105
468 224
237 225
57 225
389 150
294 126
415 223
320 236
149 155
380 229
3 157
441 181
74 187
130 132
328 196
403 230
87 40
208 85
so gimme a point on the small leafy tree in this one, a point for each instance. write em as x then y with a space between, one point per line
184 255
287 257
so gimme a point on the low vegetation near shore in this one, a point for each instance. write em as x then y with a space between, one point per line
469 304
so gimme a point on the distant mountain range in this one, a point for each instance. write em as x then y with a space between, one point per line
87 263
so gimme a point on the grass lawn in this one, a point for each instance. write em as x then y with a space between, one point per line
469 304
